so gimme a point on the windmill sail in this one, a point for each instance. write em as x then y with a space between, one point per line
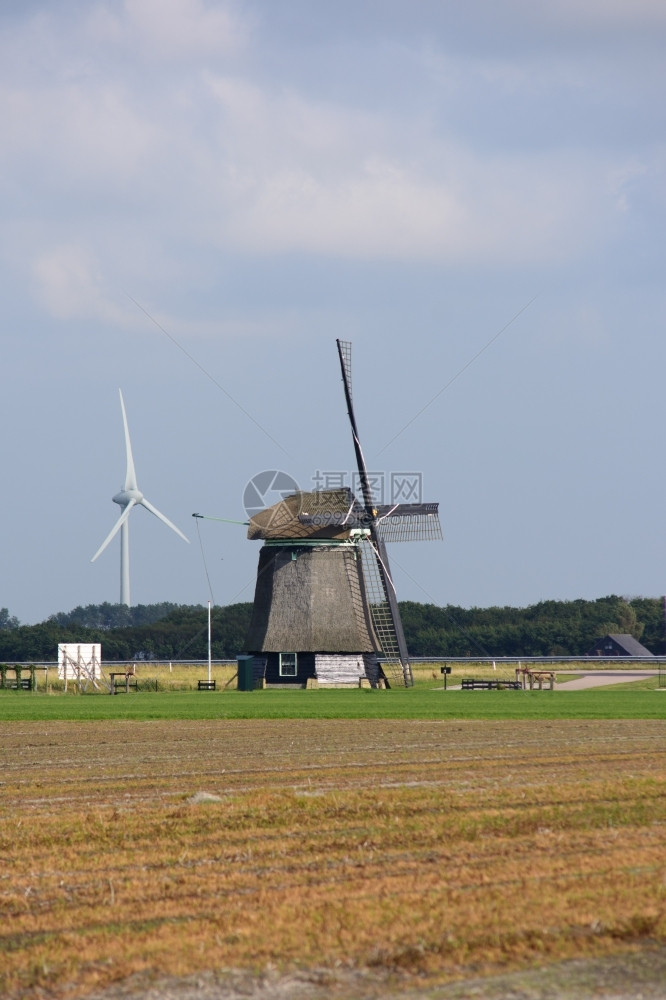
403 522
384 614
378 581
409 522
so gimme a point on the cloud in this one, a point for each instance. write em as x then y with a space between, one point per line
599 14
73 138
70 285
544 23
174 30
307 176
145 140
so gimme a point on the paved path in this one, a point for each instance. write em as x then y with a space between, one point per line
601 678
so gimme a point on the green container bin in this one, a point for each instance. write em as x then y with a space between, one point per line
245 673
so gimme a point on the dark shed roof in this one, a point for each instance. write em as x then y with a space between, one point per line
618 644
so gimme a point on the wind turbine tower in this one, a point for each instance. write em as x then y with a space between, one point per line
129 498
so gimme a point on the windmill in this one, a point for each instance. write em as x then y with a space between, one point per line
325 604
128 498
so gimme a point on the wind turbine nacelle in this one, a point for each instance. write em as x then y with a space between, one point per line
127 496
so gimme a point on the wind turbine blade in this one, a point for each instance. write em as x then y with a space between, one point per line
130 475
153 510
115 529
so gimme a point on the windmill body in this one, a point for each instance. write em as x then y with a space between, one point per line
310 614
325 605
128 498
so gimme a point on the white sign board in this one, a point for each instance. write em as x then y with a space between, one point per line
79 661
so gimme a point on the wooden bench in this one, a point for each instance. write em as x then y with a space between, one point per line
122 682
477 684
539 676
528 676
206 685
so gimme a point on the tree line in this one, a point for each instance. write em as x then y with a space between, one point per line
549 628
180 632
147 632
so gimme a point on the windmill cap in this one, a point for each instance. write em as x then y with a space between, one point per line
317 514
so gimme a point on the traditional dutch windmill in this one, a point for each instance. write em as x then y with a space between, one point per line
325 605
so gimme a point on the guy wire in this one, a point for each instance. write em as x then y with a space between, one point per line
210 589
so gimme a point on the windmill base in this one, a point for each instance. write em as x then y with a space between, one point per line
329 669
343 669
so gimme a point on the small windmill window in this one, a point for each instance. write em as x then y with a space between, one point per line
288 664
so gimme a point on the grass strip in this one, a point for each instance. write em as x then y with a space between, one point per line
337 704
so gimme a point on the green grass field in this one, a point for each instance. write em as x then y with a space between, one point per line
417 703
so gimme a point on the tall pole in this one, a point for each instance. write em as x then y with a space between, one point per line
124 564
209 641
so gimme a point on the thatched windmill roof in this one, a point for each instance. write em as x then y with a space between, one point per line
282 519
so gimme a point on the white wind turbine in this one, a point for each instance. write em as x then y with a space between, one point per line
128 498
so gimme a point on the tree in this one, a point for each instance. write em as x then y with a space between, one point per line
8 621
651 612
114 616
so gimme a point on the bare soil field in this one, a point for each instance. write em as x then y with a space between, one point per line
332 858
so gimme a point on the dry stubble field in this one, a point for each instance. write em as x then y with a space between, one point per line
390 853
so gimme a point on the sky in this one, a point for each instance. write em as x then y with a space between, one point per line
198 197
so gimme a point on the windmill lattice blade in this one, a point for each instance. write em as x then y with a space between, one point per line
383 604
153 510
130 474
344 353
409 522
115 529
398 672
404 522
344 350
